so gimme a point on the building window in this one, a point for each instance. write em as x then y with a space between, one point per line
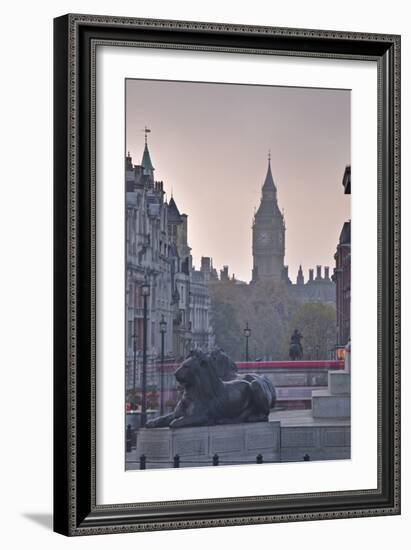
138 296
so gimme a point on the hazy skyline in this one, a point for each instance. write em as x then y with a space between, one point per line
209 144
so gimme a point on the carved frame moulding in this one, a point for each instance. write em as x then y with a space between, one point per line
77 41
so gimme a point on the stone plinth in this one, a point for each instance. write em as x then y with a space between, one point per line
320 439
324 432
197 446
334 402
327 405
339 382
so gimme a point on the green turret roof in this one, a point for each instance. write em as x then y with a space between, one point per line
146 160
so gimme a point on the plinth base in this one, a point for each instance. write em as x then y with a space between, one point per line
233 443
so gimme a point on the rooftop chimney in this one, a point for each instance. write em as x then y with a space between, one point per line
224 273
205 263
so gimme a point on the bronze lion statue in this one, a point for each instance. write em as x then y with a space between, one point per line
214 394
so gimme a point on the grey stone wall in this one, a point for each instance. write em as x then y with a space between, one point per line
234 443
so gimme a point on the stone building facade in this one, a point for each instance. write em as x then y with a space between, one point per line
318 288
158 254
342 274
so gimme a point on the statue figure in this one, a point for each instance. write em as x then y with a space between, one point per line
225 367
296 348
208 399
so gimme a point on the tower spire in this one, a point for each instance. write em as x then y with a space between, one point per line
300 276
146 160
269 184
269 234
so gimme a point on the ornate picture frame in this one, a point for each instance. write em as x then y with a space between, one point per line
76 40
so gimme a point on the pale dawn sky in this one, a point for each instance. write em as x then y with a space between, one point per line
209 144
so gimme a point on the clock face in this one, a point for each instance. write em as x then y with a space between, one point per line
263 237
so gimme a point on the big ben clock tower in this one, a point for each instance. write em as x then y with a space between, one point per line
268 235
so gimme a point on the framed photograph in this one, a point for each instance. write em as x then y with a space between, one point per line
227 274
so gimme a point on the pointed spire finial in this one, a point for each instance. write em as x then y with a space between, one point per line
269 185
146 131
146 160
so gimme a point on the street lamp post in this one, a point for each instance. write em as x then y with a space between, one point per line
247 333
145 291
135 353
163 330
